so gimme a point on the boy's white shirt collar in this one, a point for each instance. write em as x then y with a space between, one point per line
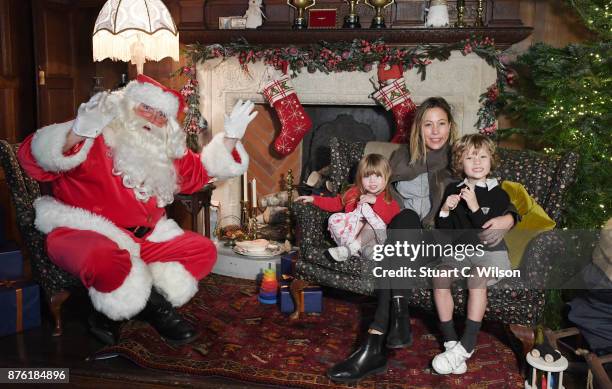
489 183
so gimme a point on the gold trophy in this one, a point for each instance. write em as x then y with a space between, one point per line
352 19
300 5
379 5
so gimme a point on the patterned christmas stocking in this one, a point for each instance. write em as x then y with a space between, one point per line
396 97
294 120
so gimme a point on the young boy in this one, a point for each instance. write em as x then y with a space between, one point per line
469 204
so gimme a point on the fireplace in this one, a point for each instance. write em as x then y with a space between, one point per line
350 122
461 80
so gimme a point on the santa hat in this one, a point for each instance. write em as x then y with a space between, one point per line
150 92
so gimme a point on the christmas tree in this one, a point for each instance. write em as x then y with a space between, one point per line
562 102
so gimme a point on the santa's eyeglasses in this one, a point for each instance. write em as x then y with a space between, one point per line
152 111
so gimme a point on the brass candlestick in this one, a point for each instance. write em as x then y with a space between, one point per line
245 215
460 13
479 14
289 189
252 232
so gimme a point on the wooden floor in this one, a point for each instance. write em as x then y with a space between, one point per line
37 348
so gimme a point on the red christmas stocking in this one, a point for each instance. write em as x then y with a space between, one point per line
294 120
396 97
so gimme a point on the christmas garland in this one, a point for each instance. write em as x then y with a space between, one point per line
358 55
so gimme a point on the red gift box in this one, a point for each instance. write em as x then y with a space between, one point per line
322 18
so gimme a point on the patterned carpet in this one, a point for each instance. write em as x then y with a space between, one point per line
249 341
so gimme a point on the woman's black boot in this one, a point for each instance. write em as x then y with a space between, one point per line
400 334
370 358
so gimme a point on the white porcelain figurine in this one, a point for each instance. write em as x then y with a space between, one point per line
254 14
438 14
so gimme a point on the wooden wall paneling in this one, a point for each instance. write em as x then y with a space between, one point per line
16 91
190 14
54 46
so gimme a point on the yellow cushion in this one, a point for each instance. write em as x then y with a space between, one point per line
534 220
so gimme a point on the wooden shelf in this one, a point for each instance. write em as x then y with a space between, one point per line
503 36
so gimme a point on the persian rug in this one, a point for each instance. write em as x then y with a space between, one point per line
249 341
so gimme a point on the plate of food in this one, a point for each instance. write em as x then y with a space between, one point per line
260 248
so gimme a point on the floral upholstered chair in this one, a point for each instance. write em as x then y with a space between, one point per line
513 301
55 282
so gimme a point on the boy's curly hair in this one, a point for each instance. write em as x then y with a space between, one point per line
465 144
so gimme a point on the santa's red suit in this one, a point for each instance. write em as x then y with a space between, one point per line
89 217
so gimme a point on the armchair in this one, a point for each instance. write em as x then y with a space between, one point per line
55 282
513 301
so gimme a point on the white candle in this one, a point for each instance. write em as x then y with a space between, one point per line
245 188
254 188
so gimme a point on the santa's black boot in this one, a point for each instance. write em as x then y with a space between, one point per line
103 328
370 358
169 324
400 334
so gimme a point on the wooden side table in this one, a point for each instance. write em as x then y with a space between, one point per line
194 203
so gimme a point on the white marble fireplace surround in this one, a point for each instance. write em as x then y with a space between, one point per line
461 80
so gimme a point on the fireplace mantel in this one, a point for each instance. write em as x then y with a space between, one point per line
503 36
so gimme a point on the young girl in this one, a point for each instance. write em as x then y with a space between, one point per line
469 205
368 208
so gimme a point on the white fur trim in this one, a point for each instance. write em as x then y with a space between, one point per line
174 282
153 96
165 230
47 146
131 297
220 163
51 214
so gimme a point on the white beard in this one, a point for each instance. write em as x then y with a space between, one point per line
143 158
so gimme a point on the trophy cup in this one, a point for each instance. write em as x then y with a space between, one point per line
352 19
379 5
300 5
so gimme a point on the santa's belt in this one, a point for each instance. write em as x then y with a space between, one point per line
139 231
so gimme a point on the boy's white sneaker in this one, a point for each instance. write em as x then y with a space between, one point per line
339 254
452 360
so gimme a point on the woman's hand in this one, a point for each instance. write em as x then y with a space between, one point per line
469 195
451 203
304 199
367 198
495 229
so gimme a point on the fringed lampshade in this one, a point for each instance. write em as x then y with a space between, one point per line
135 30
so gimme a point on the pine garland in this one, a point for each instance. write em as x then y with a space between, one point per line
194 123
358 55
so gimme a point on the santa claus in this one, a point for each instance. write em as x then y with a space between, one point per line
112 170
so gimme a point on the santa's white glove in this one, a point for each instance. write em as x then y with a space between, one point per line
236 123
94 115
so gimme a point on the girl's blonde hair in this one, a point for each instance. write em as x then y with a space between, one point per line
418 149
465 144
373 164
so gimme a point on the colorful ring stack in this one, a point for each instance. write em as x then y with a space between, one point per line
269 287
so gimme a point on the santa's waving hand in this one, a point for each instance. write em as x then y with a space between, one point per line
112 172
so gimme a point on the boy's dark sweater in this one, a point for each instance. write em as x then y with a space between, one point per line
492 203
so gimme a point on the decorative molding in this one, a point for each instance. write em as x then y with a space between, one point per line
503 36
